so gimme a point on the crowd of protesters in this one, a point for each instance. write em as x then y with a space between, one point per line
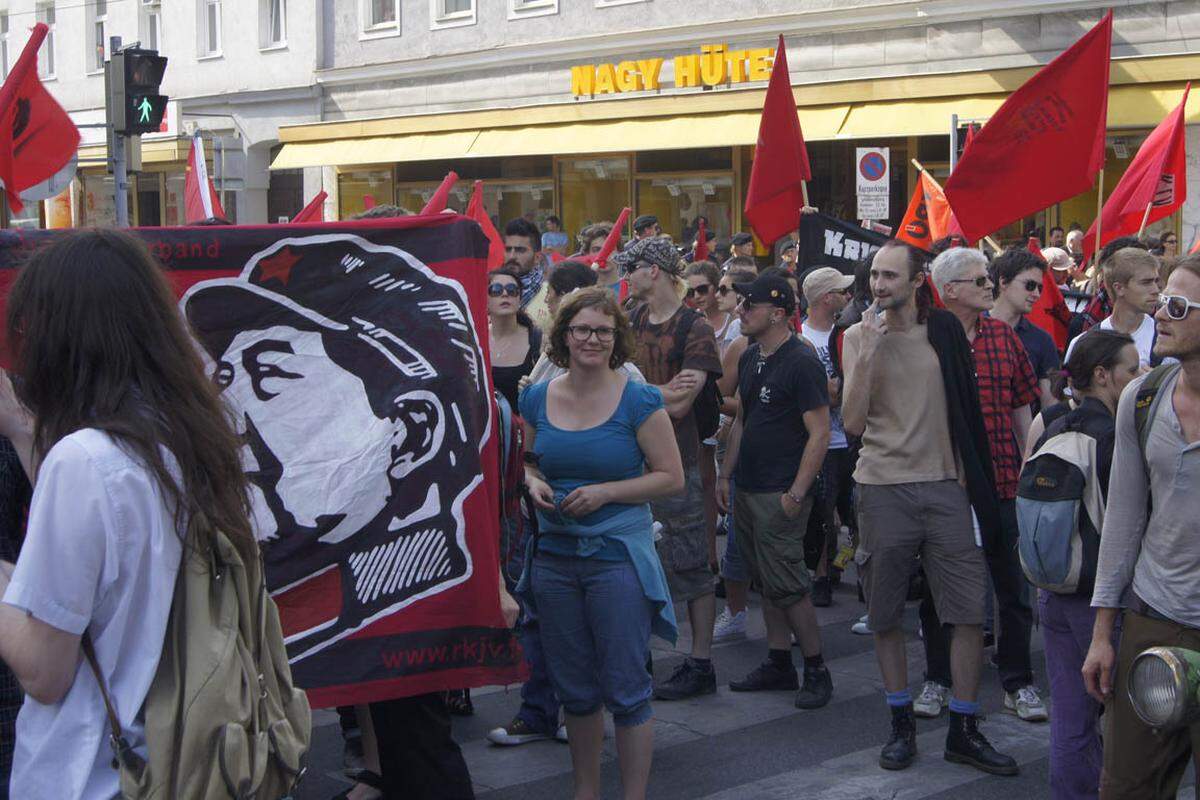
883 427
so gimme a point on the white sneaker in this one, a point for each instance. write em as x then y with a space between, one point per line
729 626
860 627
1027 704
561 733
934 697
514 734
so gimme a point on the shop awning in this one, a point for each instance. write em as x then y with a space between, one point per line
608 136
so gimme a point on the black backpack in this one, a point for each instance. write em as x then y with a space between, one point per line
707 406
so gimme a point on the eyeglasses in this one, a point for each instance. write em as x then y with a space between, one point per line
701 290
1031 285
981 281
581 333
502 289
1177 305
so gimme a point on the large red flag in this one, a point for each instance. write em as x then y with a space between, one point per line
477 212
780 167
199 203
928 217
441 198
1050 312
37 138
314 211
1045 144
1156 180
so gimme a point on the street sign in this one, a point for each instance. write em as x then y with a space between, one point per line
872 182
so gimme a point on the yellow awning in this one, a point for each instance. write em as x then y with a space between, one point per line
375 150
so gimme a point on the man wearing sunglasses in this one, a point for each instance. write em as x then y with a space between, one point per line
1149 560
1020 276
1007 388
1131 279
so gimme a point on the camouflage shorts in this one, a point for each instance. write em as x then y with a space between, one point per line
683 548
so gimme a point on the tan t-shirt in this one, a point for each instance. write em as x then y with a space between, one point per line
907 438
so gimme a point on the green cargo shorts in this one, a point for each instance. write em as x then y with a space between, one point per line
773 545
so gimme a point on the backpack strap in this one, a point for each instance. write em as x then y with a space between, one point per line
122 752
1146 403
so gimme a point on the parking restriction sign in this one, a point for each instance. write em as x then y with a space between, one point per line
873 185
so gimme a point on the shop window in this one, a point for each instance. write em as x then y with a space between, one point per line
412 196
149 199
208 27
693 160
354 186
272 24
451 13
45 14
507 201
380 17
680 200
592 190
519 9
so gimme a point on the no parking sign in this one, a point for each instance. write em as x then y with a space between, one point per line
873 186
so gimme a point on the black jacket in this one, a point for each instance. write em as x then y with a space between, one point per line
967 431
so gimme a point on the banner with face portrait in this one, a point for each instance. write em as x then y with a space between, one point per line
353 355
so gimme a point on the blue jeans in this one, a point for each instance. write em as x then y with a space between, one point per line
539 706
595 622
733 566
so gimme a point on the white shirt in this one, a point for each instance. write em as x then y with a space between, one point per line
1143 338
101 554
820 340
546 370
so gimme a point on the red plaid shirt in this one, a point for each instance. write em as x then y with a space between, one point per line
1006 382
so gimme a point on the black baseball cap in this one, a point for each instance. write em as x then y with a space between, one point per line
768 289
643 222
742 238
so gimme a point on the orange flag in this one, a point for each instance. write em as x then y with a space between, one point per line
477 212
928 217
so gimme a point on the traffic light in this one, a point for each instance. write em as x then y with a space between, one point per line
136 107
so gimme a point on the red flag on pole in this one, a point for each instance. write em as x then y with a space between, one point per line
477 212
368 202
37 138
928 217
780 166
441 198
1056 118
1156 180
1050 312
199 203
314 211
611 242
701 251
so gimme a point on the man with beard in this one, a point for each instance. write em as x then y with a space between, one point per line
523 254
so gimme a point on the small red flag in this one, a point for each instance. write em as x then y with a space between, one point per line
441 198
780 166
1156 179
610 243
1050 312
37 138
1056 118
477 212
199 204
368 202
314 211
928 217
701 251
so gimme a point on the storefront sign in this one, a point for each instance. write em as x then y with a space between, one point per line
872 182
715 65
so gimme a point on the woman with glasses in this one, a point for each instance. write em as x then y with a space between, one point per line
599 447
1168 246
516 342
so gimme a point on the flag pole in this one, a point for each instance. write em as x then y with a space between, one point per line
929 175
804 191
1145 218
1099 211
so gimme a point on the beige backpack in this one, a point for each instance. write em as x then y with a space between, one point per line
223 719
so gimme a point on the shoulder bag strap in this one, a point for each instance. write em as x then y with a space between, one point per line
89 652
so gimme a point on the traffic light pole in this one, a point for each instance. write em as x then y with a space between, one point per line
118 157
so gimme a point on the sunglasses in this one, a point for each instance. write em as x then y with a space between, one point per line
1031 285
981 281
701 290
1177 305
502 289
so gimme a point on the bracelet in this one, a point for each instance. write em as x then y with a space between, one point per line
797 500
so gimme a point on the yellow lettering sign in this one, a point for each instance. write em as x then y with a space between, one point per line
606 79
736 59
583 80
715 65
627 77
761 61
687 70
649 70
713 68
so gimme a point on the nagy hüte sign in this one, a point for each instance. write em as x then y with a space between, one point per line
714 65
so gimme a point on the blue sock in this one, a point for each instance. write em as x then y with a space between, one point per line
963 707
899 699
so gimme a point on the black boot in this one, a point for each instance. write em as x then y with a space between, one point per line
901 749
817 688
966 745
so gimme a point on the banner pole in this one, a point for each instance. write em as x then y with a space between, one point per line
1145 218
1099 211
804 191
995 245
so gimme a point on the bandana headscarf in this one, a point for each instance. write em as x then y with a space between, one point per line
531 283
654 251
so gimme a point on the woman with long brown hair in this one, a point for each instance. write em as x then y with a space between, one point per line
135 461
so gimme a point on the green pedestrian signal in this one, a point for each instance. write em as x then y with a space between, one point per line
144 108
135 106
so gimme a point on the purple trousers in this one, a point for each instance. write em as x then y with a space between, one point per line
1076 754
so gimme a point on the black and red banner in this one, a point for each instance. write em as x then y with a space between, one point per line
355 358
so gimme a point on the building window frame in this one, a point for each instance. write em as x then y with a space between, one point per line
615 3
522 9
209 42
47 68
269 11
97 36
150 27
4 42
370 29
440 18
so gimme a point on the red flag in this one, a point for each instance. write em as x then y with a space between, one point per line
1050 312
477 212
37 138
314 211
437 203
368 202
610 244
780 166
1156 179
928 217
199 204
701 251
1056 118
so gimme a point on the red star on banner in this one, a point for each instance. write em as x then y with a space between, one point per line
278 267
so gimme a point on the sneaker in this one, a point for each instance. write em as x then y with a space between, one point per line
1027 704
561 733
688 680
729 626
817 688
822 594
934 698
966 745
767 677
516 733
860 627
901 749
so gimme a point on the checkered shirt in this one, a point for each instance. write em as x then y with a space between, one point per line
1006 382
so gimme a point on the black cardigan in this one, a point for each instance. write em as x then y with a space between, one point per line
967 431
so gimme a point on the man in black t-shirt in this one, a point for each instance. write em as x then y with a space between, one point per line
776 448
